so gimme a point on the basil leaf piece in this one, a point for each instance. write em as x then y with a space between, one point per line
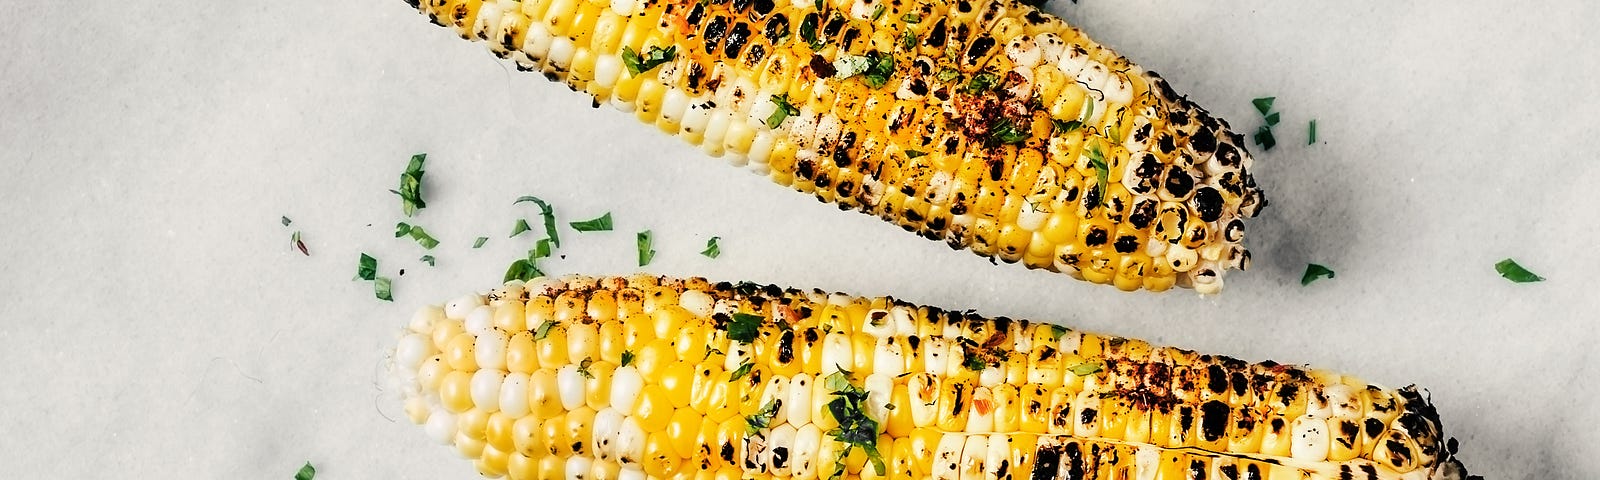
645 252
383 289
367 269
549 215
653 57
1264 104
601 224
1315 272
428 259
1085 368
744 328
1509 269
712 249
479 242
521 226
307 472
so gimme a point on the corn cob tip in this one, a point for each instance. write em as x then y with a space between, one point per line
660 377
987 124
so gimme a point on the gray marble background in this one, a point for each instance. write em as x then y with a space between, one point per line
154 323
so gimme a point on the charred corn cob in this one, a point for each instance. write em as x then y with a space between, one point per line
647 377
987 124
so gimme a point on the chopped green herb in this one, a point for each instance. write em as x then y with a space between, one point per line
877 12
1102 173
602 224
1088 110
367 269
910 154
1057 331
712 250
549 215
1264 104
541 249
1065 127
744 328
286 222
1264 138
981 82
410 191
645 252
1512 271
856 429
1272 119
946 75
294 241
521 226
307 472
874 67
1312 137
1314 272
422 237
479 242
1006 133
543 330
583 368
911 18
741 372
523 270
972 362
783 111
653 57
428 259
402 229
762 418
383 289
1085 368
627 357
908 40
808 29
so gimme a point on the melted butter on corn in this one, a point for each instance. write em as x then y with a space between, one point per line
528 382
924 149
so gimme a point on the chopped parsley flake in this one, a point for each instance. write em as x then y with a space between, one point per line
1509 269
981 82
383 289
601 224
908 39
973 363
808 29
910 154
856 429
1006 133
402 229
479 242
1264 104
877 12
783 111
744 328
286 222
1272 119
422 237
428 259
543 330
874 67
946 75
645 252
367 269
1264 138
521 226
653 57
1312 136
762 418
1102 172
307 472
627 357
294 241
1085 368
410 191
1066 127
523 270
1057 331
911 18
583 368
712 250
742 371
1315 272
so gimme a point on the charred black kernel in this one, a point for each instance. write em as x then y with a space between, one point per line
1203 141
835 25
696 76
1143 213
1347 433
1097 236
1178 117
850 37
823 181
1217 379
1208 202
979 49
786 347
935 36
1240 383
1127 244
958 205
1087 416
1167 143
1399 453
805 168
726 452
1374 427
906 189
1034 17
919 87
1075 464
1197 470
777 28
1166 90
1186 419
996 169
736 40
739 4
937 223
1149 167
696 14
1228 155
1046 462
1234 231
1092 195
755 55
1229 472
780 457
1252 472
821 66
1178 183
960 402
1142 133
715 29
1072 193
762 8
1215 422
952 145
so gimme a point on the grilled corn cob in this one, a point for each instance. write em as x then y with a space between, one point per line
987 124
647 377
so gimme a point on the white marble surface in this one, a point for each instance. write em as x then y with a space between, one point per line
154 324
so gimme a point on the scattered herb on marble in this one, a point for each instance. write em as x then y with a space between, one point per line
521 226
1315 272
1514 272
549 215
645 252
287 221
1311 137
428 259
306 472
601 224
367 267
294 241
712 249
479 242
383 289
410 191
421 236
1263 135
